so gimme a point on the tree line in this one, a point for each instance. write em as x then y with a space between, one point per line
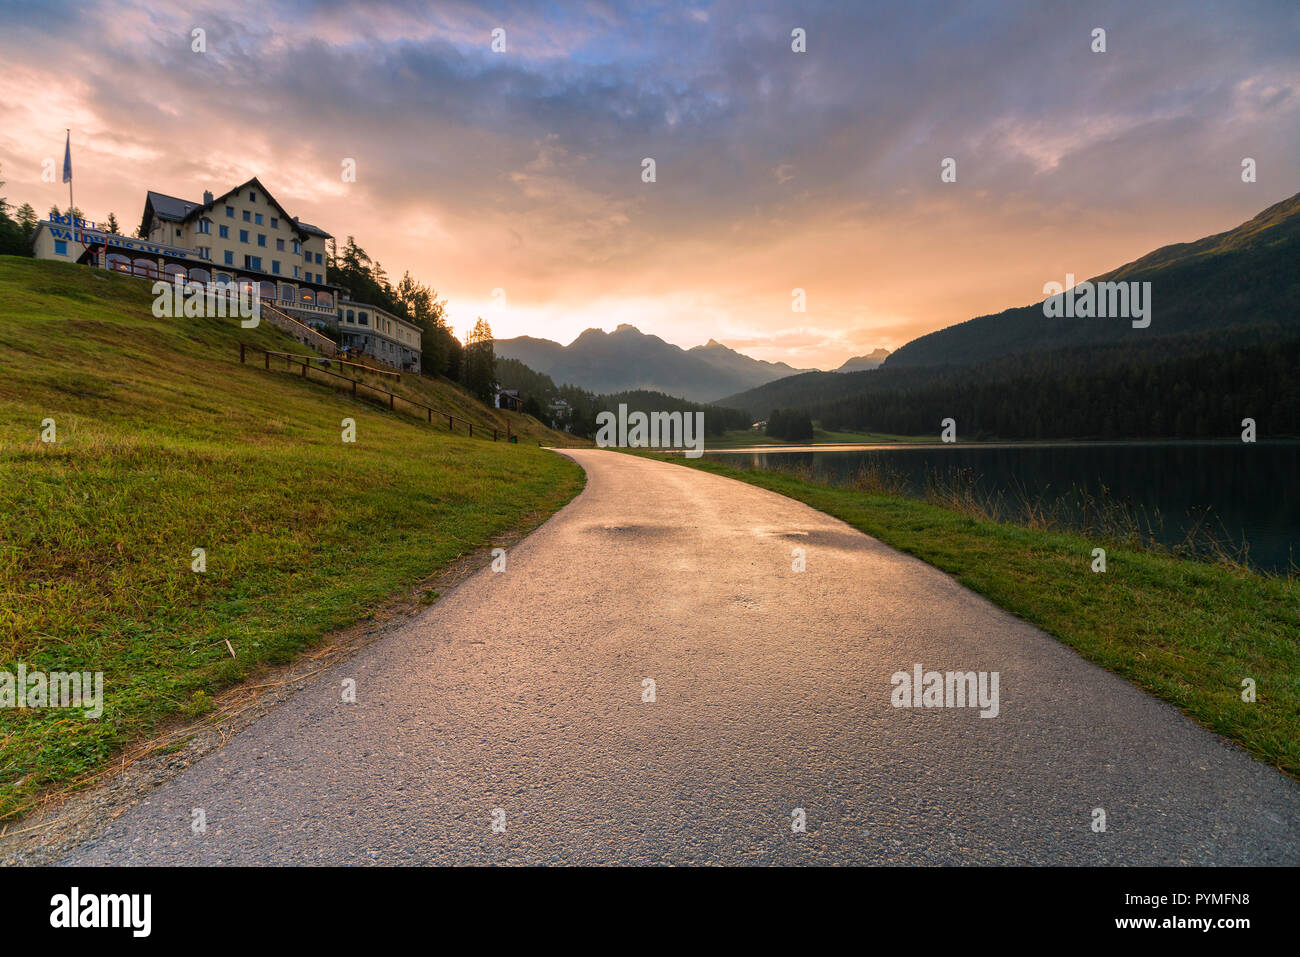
1170 391
792 425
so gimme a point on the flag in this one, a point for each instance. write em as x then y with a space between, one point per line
67 159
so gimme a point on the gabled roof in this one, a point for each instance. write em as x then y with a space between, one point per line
177 210
162 206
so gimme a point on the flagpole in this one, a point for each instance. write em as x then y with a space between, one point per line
71 204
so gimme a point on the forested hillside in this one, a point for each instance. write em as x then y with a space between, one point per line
1192 387
1248 276
1222 346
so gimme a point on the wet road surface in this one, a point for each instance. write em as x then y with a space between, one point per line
507 723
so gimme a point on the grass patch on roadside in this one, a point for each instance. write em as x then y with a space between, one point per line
1186 631
165 444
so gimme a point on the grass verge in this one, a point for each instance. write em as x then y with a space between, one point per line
166 444
1187 631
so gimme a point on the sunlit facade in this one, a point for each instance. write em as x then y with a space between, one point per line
243 236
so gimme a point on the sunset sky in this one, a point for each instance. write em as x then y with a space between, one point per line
521 170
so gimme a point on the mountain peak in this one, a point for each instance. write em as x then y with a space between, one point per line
629 359
861 363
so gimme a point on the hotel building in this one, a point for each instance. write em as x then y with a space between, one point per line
379 334
243 237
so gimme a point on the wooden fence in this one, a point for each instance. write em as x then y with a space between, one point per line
306 367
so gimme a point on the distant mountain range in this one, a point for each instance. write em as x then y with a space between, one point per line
628 359
1224 329
1223 322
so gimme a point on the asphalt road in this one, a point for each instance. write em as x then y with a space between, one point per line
523 690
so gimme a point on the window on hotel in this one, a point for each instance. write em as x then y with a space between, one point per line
230 258
318 260
223 232
351 315
243 235
275 266
248 217
295 272
363 319
297 247
205 225
230 212
279 243
261 239
257 218
60 247
252 197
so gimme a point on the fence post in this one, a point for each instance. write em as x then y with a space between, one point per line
304 370
354 388
449 425
241 353
471 429
494 435
267 357
430 414
390 400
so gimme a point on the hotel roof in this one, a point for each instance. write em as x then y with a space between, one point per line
166 207
309 228
176 210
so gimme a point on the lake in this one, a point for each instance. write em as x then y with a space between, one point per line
1234 491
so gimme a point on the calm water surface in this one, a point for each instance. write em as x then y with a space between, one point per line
1236 491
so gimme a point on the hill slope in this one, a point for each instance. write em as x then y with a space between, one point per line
1245 276
627 359
164 444
871 360
1223 335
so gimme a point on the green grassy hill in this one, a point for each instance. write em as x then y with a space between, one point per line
166 443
